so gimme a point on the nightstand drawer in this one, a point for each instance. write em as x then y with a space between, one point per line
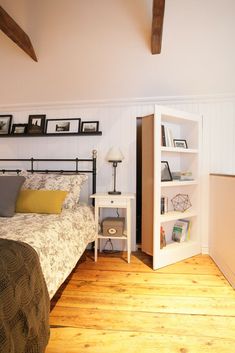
111 202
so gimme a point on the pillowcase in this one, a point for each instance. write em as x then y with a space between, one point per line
70 183
9 189
34 181
40 201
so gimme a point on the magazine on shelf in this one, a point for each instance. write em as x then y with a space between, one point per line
181 230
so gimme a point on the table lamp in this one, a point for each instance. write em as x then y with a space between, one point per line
114 156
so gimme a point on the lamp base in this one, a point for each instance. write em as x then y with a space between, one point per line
114 192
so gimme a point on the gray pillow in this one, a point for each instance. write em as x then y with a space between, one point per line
9 189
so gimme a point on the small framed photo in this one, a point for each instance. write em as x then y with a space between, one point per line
5 124
63 126
19 128
165 171
36 124
180 143
90 126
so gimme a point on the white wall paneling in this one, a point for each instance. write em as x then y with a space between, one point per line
118 124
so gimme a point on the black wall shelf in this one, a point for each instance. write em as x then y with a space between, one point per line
53 135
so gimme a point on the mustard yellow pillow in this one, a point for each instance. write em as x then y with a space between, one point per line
40 201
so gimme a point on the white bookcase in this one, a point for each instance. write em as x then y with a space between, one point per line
183 126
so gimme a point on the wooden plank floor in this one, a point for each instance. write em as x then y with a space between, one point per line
111 306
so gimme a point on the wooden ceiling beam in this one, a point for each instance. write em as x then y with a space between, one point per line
15 33
157 26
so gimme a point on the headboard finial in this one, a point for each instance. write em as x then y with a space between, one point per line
94 153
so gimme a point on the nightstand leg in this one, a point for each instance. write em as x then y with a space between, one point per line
97 231
96 246
128 225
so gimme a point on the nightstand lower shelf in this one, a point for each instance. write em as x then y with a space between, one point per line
123 201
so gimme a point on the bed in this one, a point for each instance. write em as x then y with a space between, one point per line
37 253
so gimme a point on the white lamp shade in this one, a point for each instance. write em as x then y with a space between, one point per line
114 155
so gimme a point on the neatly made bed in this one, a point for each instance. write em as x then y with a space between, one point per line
59 239
55 242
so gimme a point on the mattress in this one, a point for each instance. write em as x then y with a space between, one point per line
59 240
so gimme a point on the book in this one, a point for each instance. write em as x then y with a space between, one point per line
180 231
164 204
163 135
188 222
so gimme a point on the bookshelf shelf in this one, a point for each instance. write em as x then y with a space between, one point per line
178 150
174 215
185 127
178 183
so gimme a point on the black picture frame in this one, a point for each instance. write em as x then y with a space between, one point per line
165 171
36 124
19 129
63 126
90 126
5 124
180 143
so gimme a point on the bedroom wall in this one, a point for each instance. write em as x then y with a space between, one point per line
118 124
101 50
94 60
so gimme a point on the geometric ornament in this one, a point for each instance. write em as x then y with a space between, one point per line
181 202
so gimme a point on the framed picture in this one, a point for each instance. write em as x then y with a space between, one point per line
180 143
36 124
165 171
19 128
63 126
90 126
5 124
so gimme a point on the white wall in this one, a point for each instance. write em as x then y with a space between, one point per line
118 124
99 49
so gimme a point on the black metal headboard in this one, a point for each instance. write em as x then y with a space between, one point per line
76 161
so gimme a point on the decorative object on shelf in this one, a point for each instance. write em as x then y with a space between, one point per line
5 124
165 171
162 238
36 124
181 202
167 139
90 126
19 128
180 143
113 226
63 126
114 156
182 176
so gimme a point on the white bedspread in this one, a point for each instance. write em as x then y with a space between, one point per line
59 240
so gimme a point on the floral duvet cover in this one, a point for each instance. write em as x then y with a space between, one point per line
59 240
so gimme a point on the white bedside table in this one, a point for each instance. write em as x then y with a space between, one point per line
104 200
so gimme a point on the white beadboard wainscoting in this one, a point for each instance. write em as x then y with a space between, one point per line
118 125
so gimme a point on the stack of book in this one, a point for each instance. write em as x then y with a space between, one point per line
167 138
181 230
164 204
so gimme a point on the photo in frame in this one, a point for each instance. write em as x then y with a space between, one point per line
180 143
90 126
19 129
165 171
36 124
63 126
5 124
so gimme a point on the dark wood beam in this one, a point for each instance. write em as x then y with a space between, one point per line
157 26
15 33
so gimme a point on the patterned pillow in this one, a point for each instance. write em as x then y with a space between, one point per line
70 183
35 181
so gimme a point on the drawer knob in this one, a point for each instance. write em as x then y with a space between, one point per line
111 201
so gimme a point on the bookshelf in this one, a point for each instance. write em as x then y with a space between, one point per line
182 126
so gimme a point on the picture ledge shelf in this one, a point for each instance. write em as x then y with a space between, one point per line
53 134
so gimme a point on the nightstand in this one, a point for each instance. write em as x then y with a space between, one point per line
104 200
